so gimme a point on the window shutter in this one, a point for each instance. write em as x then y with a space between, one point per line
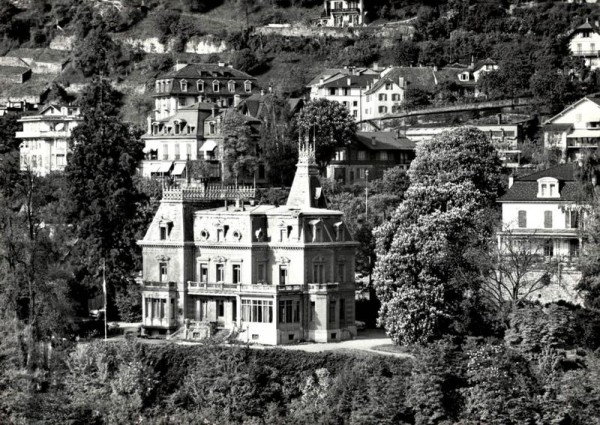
548 219
568 219
522 219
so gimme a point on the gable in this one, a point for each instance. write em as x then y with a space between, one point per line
584 110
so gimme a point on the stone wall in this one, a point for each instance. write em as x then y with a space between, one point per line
201 45
391 31
63 42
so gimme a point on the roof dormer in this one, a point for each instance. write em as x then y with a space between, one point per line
548 187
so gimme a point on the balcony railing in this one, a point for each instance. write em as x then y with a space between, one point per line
586 53
235 288
323 286
346 10
149 286
209 192
42 134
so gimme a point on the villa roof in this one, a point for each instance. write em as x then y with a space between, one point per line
209 71
384 140
355 81
525 189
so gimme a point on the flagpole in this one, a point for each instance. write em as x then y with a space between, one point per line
104 290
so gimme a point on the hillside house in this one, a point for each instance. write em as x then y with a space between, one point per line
44 138
186 85
504 133
574 131
342 13
372 153
545 209
263 274
584 43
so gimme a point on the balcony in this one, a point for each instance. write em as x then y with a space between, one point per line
346 10
42 134
209 288
159 286
586 53
323 287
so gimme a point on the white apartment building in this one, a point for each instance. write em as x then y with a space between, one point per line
44 139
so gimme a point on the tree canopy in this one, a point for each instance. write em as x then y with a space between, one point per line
423 275
329 124
102 198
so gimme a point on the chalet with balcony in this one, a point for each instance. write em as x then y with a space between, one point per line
584 43
345 13
186 85
369 155
546 210
44 138
574 131
266 274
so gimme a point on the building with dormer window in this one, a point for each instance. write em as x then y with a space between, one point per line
546 210
267 274
200 82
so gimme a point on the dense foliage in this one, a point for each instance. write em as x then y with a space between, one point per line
424 275
451 381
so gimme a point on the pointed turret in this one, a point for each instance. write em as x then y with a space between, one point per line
306 191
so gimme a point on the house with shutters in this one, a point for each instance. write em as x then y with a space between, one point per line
368 155
575 131
584 43
44 138
176 147
267 274
188 84
546 210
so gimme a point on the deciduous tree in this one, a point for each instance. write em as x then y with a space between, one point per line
423 276
329 124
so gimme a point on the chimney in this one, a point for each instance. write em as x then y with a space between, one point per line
435 68
375 66
321 81
270 88
262 92
221 64
472 61
511 180
401 82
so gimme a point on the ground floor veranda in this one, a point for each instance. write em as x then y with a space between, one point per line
323 316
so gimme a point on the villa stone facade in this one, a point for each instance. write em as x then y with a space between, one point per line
267 274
